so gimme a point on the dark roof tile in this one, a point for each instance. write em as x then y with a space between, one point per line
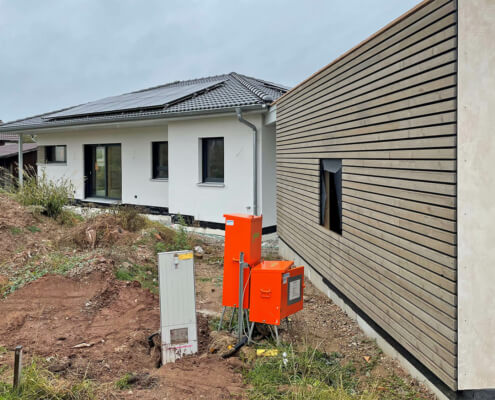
233 90
11 149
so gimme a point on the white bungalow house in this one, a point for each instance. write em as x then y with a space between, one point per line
184 147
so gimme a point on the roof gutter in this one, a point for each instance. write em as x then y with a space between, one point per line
255 158
120 119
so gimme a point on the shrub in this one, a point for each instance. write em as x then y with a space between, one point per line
130 218
44 192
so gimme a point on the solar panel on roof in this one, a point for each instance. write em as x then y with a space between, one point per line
139 100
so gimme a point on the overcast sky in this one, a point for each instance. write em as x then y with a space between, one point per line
59 53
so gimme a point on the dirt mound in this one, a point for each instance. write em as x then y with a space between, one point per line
13 214
22 234
96 325
103 230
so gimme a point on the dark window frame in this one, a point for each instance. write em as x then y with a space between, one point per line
89 161
205 177
50 154
155 149
331 194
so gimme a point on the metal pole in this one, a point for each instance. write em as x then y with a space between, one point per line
250 332
221 319
20 167
240 318
17 367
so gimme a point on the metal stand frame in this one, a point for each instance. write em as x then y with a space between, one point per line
242 313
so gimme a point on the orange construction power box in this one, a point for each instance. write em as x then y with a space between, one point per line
276 291
242 234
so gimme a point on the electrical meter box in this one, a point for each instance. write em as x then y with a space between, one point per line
242 234
276 291
177 305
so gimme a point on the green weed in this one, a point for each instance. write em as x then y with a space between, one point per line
123 383
146 275
172 240
54 263
396 388
33 229
305 374
15 230
38 383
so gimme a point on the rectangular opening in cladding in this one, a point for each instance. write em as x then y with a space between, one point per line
331 194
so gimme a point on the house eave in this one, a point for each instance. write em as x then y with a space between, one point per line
139 119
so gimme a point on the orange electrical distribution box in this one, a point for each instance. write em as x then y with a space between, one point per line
276 291
242 234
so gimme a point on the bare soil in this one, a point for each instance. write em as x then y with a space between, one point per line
97 327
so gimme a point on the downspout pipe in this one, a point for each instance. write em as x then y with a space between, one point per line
20 161
255 157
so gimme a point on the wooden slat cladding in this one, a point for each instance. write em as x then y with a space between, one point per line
388 110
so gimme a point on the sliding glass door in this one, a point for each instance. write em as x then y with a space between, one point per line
103 171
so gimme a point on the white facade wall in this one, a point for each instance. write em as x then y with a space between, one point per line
476 195
137 185
183 193
268 171
208 202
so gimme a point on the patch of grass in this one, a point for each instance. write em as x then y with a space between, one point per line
124 274
182 240
15 230
170 239
161 247
54 263
123 383
3 350
213 259
394 387
305 374
213 322
33 229
68 218
38 383
146 275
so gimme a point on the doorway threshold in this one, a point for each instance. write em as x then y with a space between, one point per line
101 200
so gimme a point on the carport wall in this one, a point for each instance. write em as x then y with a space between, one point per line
138 187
